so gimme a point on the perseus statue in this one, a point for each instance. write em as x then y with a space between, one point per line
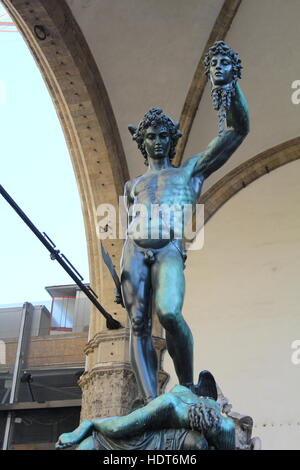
152 277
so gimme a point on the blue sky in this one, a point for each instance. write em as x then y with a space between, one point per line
36 170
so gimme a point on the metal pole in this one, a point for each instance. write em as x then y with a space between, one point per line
24 333
111 323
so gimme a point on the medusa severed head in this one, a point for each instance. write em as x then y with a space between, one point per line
155 118
228 61
223 67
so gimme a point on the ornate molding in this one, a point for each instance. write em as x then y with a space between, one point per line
111 390
118 335
243 425
107 392
88 377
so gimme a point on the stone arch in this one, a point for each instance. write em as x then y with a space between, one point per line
247 172
83 106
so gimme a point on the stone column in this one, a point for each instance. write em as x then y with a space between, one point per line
108 384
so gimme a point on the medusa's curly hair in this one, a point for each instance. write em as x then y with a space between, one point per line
155 117
222 96
220 47
203 417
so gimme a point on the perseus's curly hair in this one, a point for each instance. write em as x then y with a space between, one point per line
155 117
220 47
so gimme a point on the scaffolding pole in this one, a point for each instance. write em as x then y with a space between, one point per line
25 330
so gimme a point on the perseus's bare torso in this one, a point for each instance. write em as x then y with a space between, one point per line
159 203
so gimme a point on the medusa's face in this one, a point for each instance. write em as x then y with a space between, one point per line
220 70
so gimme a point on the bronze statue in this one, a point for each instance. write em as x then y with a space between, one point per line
178 420
152 264
153 257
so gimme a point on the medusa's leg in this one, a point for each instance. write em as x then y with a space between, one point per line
87 444
225 439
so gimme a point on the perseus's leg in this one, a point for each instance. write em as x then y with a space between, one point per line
136 291
169 282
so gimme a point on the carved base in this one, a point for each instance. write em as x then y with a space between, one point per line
109 386
111 390
243 425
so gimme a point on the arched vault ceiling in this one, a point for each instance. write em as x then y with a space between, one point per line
84 109
145 54
148 51
266 34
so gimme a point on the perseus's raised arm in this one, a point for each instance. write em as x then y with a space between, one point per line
221 148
